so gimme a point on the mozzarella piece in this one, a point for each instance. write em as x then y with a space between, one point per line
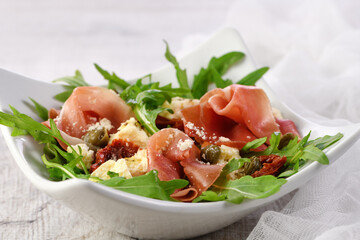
138 164
88 155
131 131
118 166
177 104
227 153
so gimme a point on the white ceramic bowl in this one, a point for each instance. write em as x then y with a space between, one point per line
138 216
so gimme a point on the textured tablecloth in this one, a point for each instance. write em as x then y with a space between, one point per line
48 39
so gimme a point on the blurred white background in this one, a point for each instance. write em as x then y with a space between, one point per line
47 39
312 48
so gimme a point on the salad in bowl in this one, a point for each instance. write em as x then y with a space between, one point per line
193 147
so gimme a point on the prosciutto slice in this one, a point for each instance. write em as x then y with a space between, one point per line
287 126
246 105
174 155
88 105
239 113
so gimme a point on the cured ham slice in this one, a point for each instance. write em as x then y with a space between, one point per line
246 105
88 105
174 155
287 126
237 113
202 123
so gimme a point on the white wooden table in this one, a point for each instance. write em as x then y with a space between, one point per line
47 39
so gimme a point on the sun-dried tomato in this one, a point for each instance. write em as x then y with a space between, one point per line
271 165
117 149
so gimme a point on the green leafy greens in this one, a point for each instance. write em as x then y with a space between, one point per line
41 111
216 68
147 185
180 73
236 191
146 98
64 165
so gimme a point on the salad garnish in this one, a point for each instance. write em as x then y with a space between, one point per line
188 161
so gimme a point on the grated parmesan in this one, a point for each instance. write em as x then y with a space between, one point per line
224 139
185 145
103 123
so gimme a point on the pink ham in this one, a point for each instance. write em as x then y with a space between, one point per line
239 113
174 159
287 126
202 123
246 105
88 105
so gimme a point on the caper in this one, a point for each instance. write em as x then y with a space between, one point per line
285 139
210 153
253 166
97 137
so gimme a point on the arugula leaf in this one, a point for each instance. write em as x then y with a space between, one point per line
311 152
200 83
216 78
209 196
287 173
253 77
146 101
325 141
72 82
212 74
41 111
64 171
114 80
224 62
180 73
170 186
148 108
147 185
254 144
249 187
22 124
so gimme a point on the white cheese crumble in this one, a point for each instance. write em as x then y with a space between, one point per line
224 139
138 164
131 131
177 104
88 155
198 131
118 166
227 153
185 145
103 123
